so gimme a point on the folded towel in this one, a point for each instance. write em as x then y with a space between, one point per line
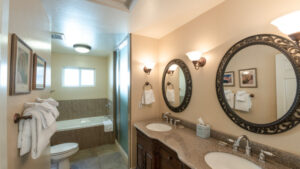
108 126
49 100
148 97
241 95
171 95
243 103
229 97
32 135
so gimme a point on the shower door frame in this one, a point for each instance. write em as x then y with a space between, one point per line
115 55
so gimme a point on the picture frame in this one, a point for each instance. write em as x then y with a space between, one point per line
248 78
229 79
20 67
39 72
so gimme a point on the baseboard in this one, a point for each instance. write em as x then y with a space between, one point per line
124 154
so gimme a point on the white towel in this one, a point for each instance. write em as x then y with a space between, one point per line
49 100
243 101
229 97
171 95
32 135
108 126
148 97
241 95
47 112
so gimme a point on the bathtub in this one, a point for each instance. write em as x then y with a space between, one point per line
74 124
87 132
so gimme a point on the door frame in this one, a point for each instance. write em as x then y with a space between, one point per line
4 22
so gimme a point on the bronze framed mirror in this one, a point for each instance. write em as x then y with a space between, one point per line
177 85
257 84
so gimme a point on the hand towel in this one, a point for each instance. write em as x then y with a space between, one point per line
49 100
24 137
108 126
148 97
229 97
243 103
171 95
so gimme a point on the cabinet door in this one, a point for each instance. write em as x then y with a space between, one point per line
149 161
168 160
140 157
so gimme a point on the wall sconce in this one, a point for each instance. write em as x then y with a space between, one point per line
290 25
172 69
148 67
195 57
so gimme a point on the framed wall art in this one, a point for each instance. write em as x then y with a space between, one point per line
228 79
39 73
20 67
248 78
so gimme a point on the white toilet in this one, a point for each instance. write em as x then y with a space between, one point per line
60 154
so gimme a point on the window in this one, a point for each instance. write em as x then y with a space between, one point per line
78 77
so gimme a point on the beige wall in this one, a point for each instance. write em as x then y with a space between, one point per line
59 61
261 57
29 21
214 33
143 50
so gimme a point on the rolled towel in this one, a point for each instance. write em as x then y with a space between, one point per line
49 100
108 126
148 97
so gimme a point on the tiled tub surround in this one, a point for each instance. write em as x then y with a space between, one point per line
87 132
74 109
191 149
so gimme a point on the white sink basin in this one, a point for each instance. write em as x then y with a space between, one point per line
160 127
219 160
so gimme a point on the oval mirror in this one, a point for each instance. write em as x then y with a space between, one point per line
177 85
259 84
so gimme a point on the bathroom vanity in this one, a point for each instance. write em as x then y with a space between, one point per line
180 148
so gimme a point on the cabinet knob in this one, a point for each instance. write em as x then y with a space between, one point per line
170 158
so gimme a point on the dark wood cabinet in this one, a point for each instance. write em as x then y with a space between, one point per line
151 154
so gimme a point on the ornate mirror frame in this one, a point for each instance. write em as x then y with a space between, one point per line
188 82
292 52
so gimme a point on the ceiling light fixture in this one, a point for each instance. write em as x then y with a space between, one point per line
80 48
290 25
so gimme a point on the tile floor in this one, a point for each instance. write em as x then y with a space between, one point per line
102 157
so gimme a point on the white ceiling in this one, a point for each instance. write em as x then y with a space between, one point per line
103 23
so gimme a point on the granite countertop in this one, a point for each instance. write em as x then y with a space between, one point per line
191 149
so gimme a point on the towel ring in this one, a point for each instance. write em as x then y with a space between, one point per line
170 84
147 84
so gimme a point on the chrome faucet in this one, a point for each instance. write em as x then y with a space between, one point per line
165 116
262 155
237 144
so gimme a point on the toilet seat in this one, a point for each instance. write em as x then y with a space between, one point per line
64 148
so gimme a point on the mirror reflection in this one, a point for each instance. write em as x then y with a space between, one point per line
260 84
175 85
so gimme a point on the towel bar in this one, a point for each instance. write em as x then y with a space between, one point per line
18 117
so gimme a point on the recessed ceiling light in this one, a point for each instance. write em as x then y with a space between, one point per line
80 48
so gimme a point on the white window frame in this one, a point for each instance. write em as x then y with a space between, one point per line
79 69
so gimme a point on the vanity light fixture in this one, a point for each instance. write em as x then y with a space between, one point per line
197 59
289 24
172 69
148 67
81 48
